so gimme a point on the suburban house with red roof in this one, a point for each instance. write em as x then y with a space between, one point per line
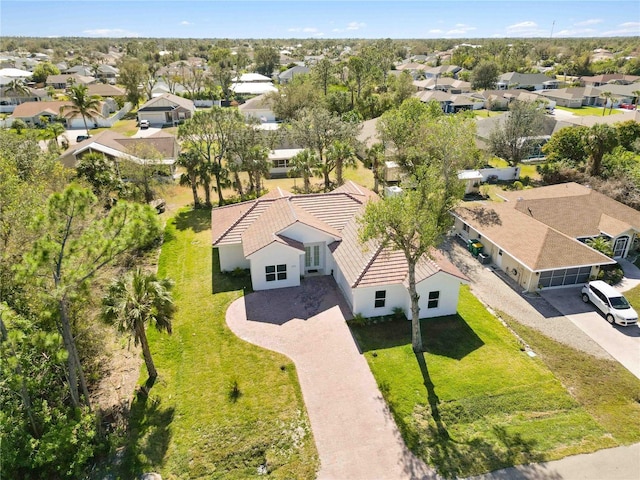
282 238
538 236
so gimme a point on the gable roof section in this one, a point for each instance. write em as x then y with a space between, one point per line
576 210
533 243
175 99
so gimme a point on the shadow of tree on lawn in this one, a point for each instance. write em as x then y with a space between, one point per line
427 434
194 219
149 434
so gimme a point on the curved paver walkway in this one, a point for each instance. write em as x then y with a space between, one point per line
356 436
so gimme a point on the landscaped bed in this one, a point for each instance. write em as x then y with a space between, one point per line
221 408
476 401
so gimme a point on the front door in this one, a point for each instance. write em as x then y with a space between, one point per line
620 246
312 258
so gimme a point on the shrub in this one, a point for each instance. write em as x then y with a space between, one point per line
358 320
612 274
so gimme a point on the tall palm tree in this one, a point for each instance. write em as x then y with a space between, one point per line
608 97
135 300
88 106
52 131
342 155
374 156
302 165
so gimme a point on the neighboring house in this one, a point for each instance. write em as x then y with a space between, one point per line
116 147
450 103
437 72
538 236
8 75
280 161
33 112
526 81
105 90
574 97
288 75
166 109
608 79
258 107
63 80
282 238
446 84
9 99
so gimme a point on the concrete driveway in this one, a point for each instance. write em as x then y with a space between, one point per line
356 436
622 343
146 132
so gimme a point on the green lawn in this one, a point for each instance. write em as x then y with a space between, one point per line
526 170
587 111
633 295
475 401
194 424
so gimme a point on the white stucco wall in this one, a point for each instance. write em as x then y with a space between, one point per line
154 118
449 288
364 300
306 234
231 257
344 287
275 254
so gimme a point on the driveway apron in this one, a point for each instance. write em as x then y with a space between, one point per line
354 431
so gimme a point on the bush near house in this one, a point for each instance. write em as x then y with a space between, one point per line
475 401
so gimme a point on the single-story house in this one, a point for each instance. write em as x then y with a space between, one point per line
538 236
526 81
608 79
574 97
282 238
289 74
32 113
446 84
167 109
280 160
105 90
9 98
162 146
258 107
63 80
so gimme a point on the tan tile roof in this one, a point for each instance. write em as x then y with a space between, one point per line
264 221
31 109
275 193
104 90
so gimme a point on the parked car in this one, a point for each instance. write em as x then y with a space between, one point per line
82 138
610 302
628 106
144 124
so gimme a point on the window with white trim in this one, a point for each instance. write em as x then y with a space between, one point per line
381 298
275 272
434 299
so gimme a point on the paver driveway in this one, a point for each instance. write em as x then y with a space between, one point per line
356 436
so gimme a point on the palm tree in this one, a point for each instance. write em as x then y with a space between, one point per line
18 87
608 97
52 131
636 100
133 301
343 155
374 156
81 104
190 160
302 165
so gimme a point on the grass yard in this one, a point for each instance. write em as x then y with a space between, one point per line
221 407
633 295
588 111
475 401
526 170
128 128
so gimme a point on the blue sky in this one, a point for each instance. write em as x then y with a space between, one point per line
320 19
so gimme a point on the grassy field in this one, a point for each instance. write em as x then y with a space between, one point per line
476 402
221 407
128 128
526 170
587 111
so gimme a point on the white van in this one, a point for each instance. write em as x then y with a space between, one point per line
610 302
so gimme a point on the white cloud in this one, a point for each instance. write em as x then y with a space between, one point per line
626 28
526 29
356 25
303 30
576 32
185 22
436 31
109 32
586 23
